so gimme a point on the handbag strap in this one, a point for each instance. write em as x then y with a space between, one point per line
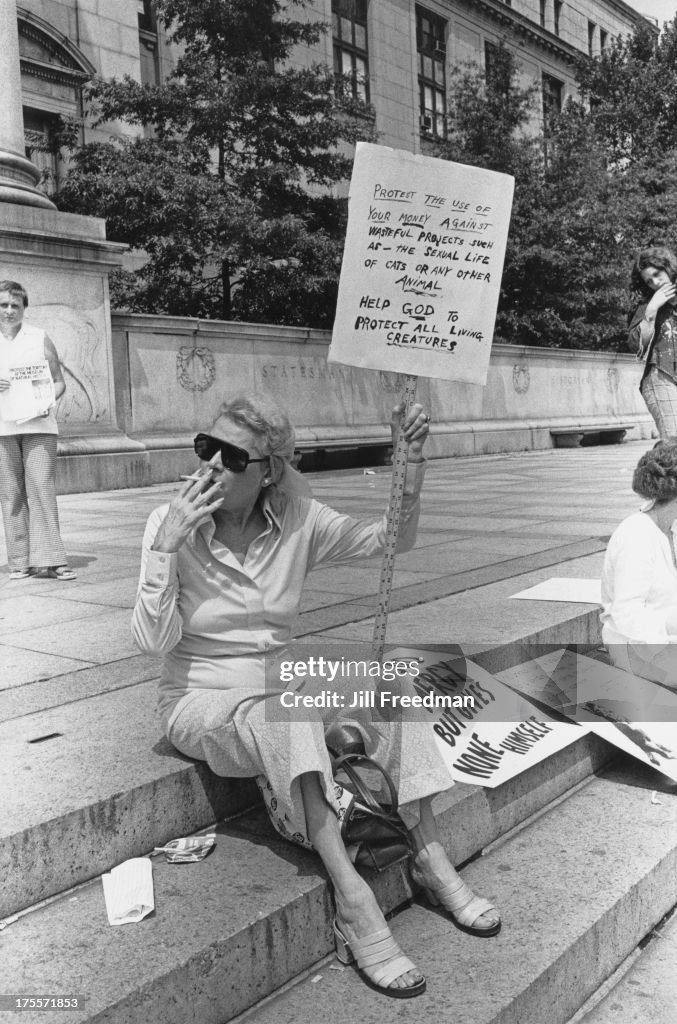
348 763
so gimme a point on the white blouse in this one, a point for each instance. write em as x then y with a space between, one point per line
217 622
639 584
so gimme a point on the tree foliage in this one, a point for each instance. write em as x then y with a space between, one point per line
590 191
630 90
228 186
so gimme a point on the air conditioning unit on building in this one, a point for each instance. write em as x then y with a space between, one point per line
426 122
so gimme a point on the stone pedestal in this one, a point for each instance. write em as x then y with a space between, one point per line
63 260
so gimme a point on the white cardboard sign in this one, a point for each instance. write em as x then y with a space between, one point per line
422 265
633 713
498 734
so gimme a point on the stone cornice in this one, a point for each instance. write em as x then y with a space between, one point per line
53 72
524 26
542 37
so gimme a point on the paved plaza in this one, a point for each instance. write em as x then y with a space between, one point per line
89 781
490 526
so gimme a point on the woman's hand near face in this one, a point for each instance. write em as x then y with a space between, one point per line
416 427
194 504
664 294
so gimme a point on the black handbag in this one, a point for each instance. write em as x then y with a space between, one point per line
374 827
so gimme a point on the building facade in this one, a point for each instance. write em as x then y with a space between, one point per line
400 52
397 54
63 43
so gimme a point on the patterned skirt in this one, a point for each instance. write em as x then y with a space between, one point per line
244 733
660 394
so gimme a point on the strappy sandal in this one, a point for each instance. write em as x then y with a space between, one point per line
57 572
382 957
462 906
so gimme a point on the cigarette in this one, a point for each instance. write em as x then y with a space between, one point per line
197 475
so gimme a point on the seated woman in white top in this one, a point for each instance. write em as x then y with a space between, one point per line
639 580
223 570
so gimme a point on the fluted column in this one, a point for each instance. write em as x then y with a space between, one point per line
18 176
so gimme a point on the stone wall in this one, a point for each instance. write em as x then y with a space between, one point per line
172 373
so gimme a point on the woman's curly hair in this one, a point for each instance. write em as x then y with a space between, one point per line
659 257
265 419
655 476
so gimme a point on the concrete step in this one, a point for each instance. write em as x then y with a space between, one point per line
578 888
91 783
256 914
646 991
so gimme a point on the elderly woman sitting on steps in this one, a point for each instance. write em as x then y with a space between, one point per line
223 569
639 579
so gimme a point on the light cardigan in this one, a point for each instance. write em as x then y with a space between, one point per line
221 624
639 584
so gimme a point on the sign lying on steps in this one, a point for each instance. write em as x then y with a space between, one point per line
635 714
497 734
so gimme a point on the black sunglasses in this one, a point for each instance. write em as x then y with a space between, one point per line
233 458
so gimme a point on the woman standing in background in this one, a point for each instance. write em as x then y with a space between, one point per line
653 334
28 451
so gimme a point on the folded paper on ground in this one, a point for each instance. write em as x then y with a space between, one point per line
128 891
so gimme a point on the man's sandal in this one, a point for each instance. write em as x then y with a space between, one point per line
379 955
462 906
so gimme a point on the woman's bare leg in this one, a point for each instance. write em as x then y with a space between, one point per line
357 911
432 867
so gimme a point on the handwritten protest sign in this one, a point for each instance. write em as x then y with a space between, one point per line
30 393
422 265
498 734
635 714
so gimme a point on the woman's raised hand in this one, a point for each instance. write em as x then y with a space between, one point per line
664 294
194 504
416 427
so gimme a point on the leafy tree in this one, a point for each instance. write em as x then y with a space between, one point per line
488 117
229 185
630 90
589 192
629 109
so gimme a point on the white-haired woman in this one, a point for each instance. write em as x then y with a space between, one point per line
222 575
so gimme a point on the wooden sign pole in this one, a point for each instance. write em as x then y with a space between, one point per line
393 516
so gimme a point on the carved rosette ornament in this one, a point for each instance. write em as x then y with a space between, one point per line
195 368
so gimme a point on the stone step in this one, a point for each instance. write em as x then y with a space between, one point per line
574 903
646 991
98 783
92 783
247 921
